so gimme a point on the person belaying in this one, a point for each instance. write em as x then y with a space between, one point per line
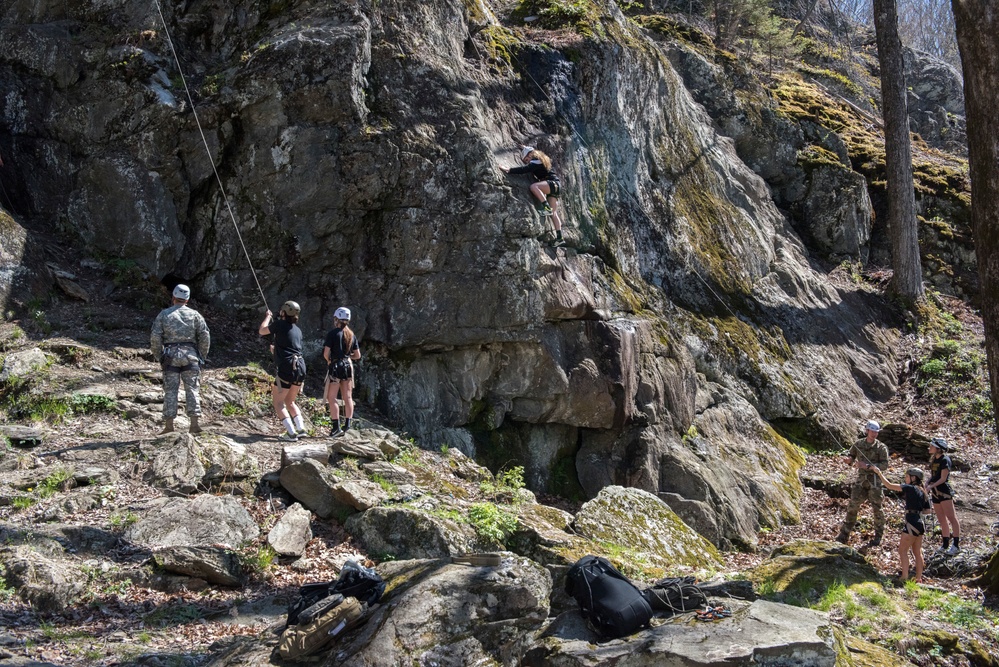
912 524
546 188
339 349
180 341
290 369
943 496
867 453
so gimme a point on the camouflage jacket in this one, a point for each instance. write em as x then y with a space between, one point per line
179 324
870 452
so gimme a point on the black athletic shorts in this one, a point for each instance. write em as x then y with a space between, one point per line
281 383
554 188
942 493
913 524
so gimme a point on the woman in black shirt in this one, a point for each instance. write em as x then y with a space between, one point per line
912 528
943 496
290 372
546 187
339 348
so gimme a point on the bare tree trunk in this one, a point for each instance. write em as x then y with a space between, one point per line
804 19
977 28
908 277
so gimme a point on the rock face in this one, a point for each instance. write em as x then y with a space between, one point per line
364 140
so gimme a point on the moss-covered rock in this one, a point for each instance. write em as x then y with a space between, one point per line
803 570
642 523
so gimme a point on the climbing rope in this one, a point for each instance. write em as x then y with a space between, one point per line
208 151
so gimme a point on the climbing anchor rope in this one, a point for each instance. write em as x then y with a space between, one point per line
208 151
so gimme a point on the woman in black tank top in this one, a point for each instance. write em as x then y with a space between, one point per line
290 371
339 349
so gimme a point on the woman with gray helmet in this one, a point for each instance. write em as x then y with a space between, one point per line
290 372
912 528
339 349
943 496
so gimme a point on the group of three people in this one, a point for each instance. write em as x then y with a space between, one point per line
180 341
870 456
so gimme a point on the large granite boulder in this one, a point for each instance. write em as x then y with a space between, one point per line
407 533
49 582
292 532
201 521
312 484
175 463
646 526
438 613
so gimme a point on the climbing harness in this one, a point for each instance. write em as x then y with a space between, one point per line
208 151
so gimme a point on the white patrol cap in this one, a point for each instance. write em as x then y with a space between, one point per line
182 292
525 151
872 426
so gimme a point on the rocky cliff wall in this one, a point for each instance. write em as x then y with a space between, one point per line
359 145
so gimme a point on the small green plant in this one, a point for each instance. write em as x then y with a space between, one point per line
233 410
85 404
507 481
492 522
387 486
6 592
22 502
119 520
58 480
407 455
445 451
933 368
260 560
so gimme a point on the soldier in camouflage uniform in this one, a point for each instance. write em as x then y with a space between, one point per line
866 454
180 342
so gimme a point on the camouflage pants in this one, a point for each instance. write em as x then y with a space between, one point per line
869 491
191 377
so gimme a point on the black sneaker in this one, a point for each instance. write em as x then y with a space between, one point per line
558 243
336 431
546 210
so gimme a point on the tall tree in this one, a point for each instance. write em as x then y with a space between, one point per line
977 27
907 281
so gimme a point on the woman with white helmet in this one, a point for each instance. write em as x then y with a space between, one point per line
290 373
545 189
339 348
943 496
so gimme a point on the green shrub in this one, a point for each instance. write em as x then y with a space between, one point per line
491 522
933 368
85 404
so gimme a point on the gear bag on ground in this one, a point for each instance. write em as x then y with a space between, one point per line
607 599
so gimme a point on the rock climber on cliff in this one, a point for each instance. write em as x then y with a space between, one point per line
546 187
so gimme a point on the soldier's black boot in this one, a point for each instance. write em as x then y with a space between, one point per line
195 426
167 425
843 537
876 540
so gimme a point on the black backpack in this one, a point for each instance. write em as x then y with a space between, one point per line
355 581
611 603
676 595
